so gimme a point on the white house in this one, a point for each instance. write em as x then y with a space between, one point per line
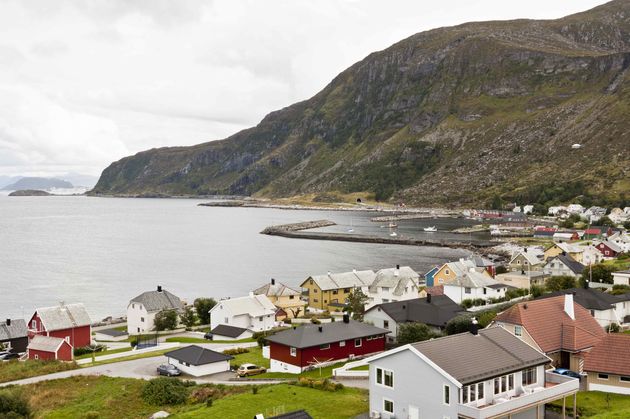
563 265
142 309
485 374
253 312
621 277
575 209
393 284
197 361
556 210
591 255
474 285
528 209
622 240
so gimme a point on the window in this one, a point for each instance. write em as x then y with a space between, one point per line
315 300
34 324
511 382
503 384
311 282
467 290
465 394
357 343
68 339
386 324
529 376
226 320
36 356
518 330
479 391
447 272
447 395
293 351
385 289
624 379
346 290
260 318
325 301
323 347
342 343
388 378
497 385
388 406
335 292
141 319
379 376
315 290
473 392
602 376
133 306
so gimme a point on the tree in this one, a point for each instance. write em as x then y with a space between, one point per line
501 269
626 225
558 283
203 307
536 291
188 317
414 332
356 304
458 324
497 202
296 311
604 221
598 273
13 405
165 320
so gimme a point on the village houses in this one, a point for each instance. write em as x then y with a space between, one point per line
142 309
287 299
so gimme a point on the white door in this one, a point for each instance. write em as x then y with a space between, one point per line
414 412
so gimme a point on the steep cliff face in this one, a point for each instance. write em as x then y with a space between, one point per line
453 115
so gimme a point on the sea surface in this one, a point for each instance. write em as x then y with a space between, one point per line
105 251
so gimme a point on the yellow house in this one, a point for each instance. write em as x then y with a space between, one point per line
576 252
286 298
451 271
330 291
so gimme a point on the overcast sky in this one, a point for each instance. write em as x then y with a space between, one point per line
87 82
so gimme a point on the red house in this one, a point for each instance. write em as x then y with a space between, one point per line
70 322
300 348
608 249
49 348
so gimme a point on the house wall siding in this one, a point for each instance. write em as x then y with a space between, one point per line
612 385
378 319
17 344
79 336
201 370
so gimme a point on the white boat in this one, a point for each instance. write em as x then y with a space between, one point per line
431 229
393 234
392 225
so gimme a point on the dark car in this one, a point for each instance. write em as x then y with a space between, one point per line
7 356
168 370
208 336
566 372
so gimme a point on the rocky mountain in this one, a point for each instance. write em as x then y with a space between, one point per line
38 183
455 115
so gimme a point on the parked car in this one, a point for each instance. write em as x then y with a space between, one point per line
250 369
208 336
168 370
568 373
7 356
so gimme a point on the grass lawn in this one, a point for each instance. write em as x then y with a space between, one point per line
361 368
283 398
599 405
111 351
618 264
129 358
17 370
201 340
254 356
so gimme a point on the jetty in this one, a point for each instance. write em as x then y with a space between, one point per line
298 231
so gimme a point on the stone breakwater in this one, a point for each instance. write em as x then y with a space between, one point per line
296 231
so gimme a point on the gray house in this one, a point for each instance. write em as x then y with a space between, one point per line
489 374
14 335
433 310
563 265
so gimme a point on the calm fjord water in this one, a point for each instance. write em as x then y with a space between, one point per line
104 251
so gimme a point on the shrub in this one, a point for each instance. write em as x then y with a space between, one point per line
202 394
315 320
612 328
558 283
467 303
209 402
414 332
458 324
88 349
164 391
478 302
13 405
236 351
325 384
166 320
536 291
255 390
485 317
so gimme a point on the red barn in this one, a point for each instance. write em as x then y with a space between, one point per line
70 322
48 348
297 349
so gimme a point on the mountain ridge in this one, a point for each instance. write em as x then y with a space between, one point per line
453 115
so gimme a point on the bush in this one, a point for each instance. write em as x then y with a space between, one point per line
536 291
88 349
202 394
458 324
13 405
478 302
164 391
254 389
415 332
315 320
559 283
485 317
467 303
203 307
236 351
166 320
501 269
612 328
325 384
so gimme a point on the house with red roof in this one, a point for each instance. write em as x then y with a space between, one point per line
562 329
607 365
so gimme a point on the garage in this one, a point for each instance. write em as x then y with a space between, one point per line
197 361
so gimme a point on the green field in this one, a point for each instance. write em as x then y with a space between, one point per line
201 340
598 405
107 397
17 370
110 352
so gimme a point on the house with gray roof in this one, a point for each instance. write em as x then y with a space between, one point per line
198 361
472 285
393 284
254 312
142 309
330 291
305 347
433 310
478 374
563 265
70 322
14 335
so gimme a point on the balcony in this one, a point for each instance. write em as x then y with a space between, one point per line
556 387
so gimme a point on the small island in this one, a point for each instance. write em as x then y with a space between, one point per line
30 192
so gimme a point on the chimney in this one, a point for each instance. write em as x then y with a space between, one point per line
273 281
321 329
8 322
428 298
474 327
568 306
251 294
159 288
397 266
346 318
